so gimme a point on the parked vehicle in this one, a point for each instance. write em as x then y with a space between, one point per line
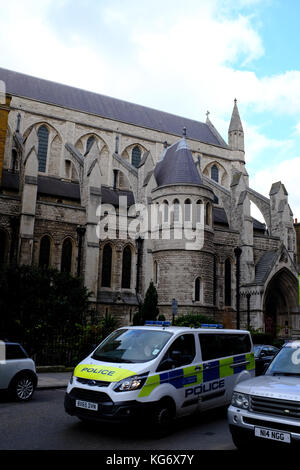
263 353
157 372
17 371
268 407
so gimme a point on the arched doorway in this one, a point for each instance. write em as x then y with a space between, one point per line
280 302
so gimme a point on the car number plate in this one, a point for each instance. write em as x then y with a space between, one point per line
273 434
87 405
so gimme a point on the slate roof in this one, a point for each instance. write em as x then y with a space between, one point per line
219 216
22 85
264 266
177 166
46 185
110 196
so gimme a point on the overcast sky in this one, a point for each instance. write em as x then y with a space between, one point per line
183 57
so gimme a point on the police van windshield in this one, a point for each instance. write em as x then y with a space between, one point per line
287 361
129 346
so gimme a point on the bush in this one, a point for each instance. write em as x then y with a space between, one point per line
39 305
192 320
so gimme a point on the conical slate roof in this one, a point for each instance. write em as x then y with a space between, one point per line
177 166
235 123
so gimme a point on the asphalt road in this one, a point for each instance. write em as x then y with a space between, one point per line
42 424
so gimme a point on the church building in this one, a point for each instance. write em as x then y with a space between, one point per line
123 195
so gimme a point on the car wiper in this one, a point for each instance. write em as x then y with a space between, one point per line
117 360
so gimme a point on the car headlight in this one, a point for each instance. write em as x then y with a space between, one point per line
240 400
131 383
72 376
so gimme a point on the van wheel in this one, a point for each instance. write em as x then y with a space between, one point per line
163 419
22 387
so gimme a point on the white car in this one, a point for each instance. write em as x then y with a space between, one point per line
267 408
17 371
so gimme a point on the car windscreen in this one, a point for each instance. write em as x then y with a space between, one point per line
287 361
129 346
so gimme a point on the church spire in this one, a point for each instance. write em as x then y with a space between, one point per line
235 131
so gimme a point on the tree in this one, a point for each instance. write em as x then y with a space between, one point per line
38 304
149 309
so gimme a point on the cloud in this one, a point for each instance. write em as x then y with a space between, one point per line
258 144
288 173
160 54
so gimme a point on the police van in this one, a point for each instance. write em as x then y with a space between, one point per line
159 372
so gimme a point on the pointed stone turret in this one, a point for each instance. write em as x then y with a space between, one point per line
235 131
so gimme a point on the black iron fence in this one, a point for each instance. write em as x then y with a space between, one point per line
61 351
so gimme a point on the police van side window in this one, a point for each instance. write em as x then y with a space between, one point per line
214 346
181 352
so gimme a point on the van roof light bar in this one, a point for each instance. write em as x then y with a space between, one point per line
211 325
157 323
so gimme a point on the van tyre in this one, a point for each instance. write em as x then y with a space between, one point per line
22 387
163 419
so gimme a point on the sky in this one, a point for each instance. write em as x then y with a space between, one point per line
185 58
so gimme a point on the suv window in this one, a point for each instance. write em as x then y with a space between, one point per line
223 345
181 352
15 351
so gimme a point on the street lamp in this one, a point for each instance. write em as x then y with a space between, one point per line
248 294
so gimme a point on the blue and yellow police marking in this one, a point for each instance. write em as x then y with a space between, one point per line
107 374
194 375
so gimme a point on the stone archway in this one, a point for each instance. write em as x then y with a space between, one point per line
280 301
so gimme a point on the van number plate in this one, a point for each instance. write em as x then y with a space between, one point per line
87 405
273 434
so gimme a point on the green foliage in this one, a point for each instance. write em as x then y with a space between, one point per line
138 319
108 324
149 309
192 320
38 304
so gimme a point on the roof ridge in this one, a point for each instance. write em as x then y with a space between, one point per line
70 97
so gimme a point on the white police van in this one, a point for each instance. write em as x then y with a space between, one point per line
158 372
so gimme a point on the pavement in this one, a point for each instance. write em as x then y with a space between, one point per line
47 380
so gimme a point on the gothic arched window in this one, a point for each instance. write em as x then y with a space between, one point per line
3 247
207 214
106 266
136 156
89 143
126 268
176 205
66 256
43 136
166 211
214 173
44 258
187 210
198 289
155 270
227 282
199 211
